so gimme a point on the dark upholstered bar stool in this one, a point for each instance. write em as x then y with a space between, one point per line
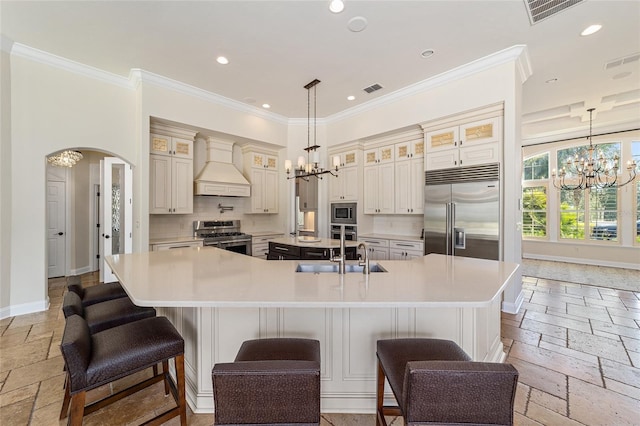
96 293
93 360
107 314
271 381
435 382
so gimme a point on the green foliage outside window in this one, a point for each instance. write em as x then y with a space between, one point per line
534 212
537 167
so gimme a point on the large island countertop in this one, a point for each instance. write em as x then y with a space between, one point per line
210 277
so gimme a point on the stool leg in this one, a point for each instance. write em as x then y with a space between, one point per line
165 374
64 412
380 420
77 409
179 360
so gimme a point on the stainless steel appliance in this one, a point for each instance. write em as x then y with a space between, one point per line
462 211
350 232
344 213
224 234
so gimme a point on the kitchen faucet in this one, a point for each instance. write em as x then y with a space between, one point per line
341 258
366 269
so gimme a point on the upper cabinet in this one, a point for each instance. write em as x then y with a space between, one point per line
261 166
381 155
171 170
379 180
466 144
346 186
409 150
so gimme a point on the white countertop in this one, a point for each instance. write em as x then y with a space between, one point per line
392 237
263 233
323 243
171 240
211 277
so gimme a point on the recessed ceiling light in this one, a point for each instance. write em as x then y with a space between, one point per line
591 29
621 75
552 80
336 6
222 60
266 106
357 24
427 53
350 98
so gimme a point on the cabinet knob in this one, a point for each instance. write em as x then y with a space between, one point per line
60 233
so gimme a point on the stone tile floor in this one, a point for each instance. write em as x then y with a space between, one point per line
577 348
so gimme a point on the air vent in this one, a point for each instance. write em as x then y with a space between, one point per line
463 174
539 10
372 88
622 61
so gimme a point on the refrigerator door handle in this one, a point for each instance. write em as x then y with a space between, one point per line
448 249
460 238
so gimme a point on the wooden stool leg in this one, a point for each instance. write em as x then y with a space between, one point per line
380 420
165 374
77 409
179 360
64 412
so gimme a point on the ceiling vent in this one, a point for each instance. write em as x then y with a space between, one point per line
622 61
372 88
539 10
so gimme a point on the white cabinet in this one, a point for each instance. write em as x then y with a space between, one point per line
409 186
379 180
378 248
262 168
409 150
260 245
345 186
176 245
405 250
477 142
171 175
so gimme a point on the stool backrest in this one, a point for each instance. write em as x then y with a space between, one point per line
266 392
459 392
76 350
76 288
72 305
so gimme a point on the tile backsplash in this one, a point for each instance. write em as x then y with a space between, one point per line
206 208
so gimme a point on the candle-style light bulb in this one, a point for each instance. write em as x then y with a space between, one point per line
287 165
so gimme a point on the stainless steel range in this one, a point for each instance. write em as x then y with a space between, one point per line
224 234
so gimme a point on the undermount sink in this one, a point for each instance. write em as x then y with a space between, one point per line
333 267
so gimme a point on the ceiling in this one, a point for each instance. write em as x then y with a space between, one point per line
276 47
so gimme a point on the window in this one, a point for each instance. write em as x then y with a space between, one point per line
603 214
609 150
534 211
572 214
534 196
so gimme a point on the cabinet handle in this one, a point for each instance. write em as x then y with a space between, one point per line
404 245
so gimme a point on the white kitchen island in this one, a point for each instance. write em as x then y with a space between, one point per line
217 299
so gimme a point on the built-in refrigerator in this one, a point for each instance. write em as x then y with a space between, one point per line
462 211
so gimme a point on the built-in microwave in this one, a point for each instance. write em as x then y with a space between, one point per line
344 213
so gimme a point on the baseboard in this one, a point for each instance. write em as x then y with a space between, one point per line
80 271
513 307
582 261
24 308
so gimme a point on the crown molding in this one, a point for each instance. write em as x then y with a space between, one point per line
513 53
139 76
304 121
5 43
23 51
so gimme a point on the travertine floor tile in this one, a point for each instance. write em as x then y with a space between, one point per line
594 405
599 346
548 417
541 378
560 320
545 329
623 373
550 402
16 414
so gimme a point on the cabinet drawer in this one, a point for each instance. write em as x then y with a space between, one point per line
260 250
313 253
284 249
406 245
375 242
266 238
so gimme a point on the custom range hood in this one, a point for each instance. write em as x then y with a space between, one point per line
219 176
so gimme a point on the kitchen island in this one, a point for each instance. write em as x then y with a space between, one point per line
217 299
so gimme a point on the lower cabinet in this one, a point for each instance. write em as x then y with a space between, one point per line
278 251
405 250
378 248
260 245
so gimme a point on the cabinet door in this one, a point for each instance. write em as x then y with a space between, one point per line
257 190
409 150
370 157
480 154
160 145
442 159
442 139
160 185
182 185
350 183
377 253
371 190
479 132
349 159
336 185
416 195
395 254
403 187
385 188
182 148
270 191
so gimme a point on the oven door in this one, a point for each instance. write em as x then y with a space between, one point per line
242 247
350 233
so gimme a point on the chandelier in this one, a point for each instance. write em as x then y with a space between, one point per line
65 158
595 171
311 166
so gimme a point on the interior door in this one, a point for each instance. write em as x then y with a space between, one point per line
56 238
116 212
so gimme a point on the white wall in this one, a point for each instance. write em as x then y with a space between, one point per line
5 177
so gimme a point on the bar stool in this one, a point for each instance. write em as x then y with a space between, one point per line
109 355
272 381
435 382
96 293
107 314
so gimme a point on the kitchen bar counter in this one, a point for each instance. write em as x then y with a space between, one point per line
217 299
322 243
392 237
